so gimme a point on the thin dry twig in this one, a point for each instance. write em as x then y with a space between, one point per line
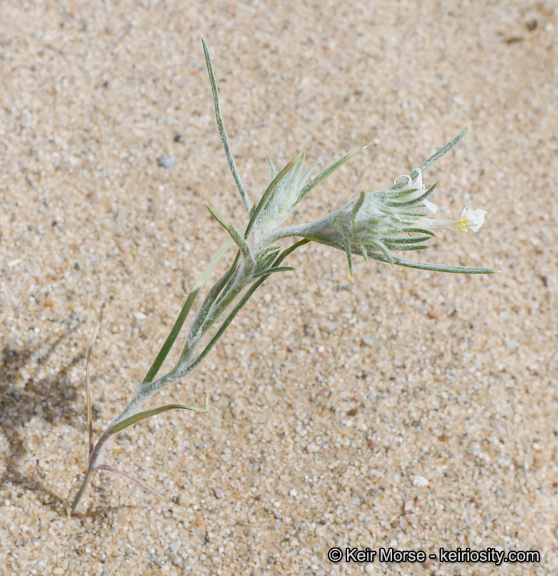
129 477
88 381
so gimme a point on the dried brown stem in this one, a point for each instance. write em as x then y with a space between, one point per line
88 380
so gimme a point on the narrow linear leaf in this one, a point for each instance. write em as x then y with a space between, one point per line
357 206
273 270
265 263
435 157
134 419
215 292
171 338
222 131
416 201
239 307
349 257
413 240
419 231
399 193
435 267
377 244
403 248
271 167
364 253
290 250
388 211
306 175
328 171
234 234
411 215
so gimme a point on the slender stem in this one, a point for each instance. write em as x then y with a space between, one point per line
303 230
226 300
197 325
129 477
88 379
202 323
224 294
81 491
94 456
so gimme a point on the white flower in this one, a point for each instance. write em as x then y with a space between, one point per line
430 206
470 220
473 219
416 188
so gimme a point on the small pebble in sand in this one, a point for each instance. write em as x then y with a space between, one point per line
167 161
419 481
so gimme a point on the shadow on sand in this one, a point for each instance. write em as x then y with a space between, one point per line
52 398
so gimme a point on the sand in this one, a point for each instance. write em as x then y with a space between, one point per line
410 410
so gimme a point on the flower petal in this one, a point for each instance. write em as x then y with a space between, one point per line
430 206
474 218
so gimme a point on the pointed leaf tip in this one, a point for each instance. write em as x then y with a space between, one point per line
327 172
233 232
138 417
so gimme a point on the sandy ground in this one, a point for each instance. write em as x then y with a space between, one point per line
412 410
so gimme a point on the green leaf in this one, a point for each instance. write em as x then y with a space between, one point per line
268 194
414 202
434 158
328 172
248 294
419 231
357 206
234 234
271 167
435 267
306 175
377 244
399 193
148 413
413 240
273 270
222 131
403 248
364 253
171 338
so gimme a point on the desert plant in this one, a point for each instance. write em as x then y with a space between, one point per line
372 225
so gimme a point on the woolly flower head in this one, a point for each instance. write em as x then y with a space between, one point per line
286 190
397 219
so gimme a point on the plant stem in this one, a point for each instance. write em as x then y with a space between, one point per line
96 452
221 297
